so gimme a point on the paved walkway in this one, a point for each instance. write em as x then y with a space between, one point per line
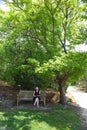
81 99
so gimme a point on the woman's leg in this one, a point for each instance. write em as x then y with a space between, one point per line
36 102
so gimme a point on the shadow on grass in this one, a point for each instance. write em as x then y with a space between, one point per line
59 118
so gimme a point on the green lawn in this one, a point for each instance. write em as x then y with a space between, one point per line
56 119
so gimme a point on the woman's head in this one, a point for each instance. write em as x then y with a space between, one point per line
37 88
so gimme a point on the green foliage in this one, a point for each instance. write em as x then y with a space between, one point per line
37 38
74 64
84 1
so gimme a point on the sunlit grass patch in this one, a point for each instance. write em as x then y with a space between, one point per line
59 118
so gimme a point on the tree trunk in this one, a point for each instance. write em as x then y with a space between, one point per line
62 79
62 94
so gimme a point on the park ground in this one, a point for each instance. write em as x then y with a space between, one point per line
51 117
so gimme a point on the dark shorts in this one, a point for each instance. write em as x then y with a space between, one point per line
36 97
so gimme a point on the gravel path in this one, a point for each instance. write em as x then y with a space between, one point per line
81 99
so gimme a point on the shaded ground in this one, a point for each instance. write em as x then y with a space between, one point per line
80 98
8 98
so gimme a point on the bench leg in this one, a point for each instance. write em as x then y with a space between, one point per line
44 101
17 102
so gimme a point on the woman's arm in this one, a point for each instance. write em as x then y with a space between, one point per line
33 93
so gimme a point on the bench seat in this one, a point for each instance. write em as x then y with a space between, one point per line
27 95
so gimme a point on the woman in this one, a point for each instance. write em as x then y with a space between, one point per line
36 96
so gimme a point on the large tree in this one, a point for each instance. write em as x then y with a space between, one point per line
40 39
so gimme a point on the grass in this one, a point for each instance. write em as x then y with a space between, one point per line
59 118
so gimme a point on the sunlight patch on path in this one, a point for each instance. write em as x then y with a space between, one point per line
79 96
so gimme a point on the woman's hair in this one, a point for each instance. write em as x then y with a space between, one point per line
37 88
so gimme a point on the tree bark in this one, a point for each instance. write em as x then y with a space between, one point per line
62 94
62 79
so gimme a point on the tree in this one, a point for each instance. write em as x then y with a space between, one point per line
66 68
41 38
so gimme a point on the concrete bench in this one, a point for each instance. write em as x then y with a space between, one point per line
27 95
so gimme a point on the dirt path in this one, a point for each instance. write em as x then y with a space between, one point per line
81 99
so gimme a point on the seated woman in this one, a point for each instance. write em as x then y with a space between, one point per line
36 96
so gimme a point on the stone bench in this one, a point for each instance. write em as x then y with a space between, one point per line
27 95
